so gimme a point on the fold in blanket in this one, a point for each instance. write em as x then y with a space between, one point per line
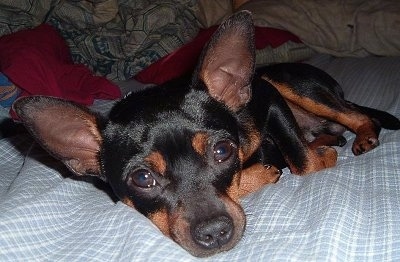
38 62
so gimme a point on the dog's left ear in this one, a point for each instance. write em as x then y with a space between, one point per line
67 131
228 61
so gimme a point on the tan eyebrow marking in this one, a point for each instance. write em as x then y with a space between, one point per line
157 161
199 143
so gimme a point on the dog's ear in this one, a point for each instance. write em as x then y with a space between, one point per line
228 61
68 131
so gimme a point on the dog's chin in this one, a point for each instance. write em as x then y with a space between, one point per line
182 233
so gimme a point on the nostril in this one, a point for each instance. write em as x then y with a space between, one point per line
213 233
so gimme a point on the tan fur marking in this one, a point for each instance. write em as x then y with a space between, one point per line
252 179
160 219
241 155
323 157
199 143
351 119
256 177
318 158
254 141
234 190
157 161
324 140
127 201
180 231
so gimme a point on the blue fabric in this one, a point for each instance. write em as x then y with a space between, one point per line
8 91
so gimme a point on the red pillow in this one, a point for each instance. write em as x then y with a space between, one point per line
185 58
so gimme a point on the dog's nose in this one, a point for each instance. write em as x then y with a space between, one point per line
213 233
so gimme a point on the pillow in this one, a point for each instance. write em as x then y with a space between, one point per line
341 28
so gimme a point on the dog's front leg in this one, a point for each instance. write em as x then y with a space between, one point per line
252 179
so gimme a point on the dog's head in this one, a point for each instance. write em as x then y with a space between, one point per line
173 152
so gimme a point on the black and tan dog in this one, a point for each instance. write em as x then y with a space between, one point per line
183 153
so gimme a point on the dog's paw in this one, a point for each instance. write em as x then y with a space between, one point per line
364 143
327 156
256 177
319 158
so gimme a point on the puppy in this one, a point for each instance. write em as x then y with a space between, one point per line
183 153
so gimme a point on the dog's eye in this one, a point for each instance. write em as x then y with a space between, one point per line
223 150
143 178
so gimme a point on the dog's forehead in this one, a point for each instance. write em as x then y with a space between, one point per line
169 108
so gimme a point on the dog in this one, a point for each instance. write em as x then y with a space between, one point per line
185 152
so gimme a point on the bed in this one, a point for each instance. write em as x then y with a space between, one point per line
350 212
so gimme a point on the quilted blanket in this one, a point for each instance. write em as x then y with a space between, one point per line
347 213
116 39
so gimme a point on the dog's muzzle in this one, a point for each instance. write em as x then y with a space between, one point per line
213 233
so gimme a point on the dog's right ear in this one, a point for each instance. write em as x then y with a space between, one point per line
227 63
68 131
